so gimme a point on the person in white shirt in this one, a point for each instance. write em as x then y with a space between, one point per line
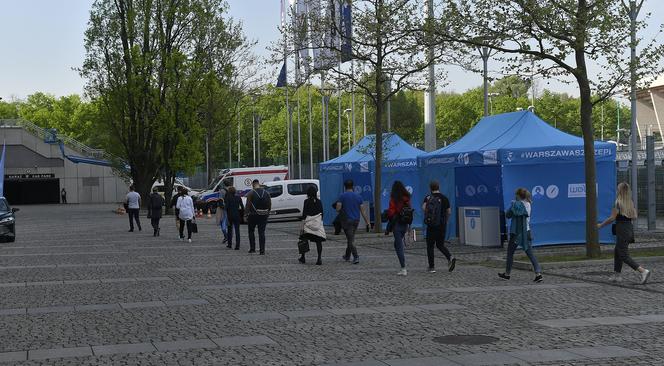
186 213
133 205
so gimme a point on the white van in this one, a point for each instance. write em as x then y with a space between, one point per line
241 179
161 189
288 197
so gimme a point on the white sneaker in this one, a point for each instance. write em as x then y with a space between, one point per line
645 275
189 240
616 277
403 272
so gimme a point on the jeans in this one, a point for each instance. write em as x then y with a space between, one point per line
234 224
260 222
350 227
624 233
436 239
133 215
399 232
511 248
182 225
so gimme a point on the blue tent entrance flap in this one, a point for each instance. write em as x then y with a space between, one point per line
358 164
524 151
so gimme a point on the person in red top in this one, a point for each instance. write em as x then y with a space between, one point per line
399 198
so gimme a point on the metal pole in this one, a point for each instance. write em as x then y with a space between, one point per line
364 114
650 159
618 126
253 135
633 13
311 136
288 130
602 126
352 101
259 119
322 86
230 149
238 139
339 119
207 158
430 94
484 52
299 140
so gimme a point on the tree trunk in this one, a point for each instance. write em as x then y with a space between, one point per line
592 238
143 185
169 182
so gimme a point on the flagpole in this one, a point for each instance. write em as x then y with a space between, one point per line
352 100
299 140
311 135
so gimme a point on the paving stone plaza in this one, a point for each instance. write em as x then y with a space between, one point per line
78 289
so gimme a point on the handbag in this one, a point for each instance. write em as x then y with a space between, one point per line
303 245
410 237
194 227
613 229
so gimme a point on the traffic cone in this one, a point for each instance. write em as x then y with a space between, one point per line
208 213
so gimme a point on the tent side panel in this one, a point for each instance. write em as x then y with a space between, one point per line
331 186
558 190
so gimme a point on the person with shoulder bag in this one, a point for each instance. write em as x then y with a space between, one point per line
312 225
400 215
154 210
622 213
519 236
259 204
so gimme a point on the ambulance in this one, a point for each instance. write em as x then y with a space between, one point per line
241 179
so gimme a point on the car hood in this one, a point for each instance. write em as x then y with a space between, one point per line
4 215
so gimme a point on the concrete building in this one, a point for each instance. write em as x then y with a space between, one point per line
39 164
650 112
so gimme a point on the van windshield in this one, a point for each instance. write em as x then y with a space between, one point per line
214 183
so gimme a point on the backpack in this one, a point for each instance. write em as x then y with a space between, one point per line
406 215
260 202
433 211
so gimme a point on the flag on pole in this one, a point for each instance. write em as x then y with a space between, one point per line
313 14
2 172
301 36
346 31
282 79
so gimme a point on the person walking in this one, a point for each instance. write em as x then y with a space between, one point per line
400 215
133 202
186 214
63 196
173 205
222 219
622 213
437 211
155 205
234 211
520 235
349 205
312 228
259 205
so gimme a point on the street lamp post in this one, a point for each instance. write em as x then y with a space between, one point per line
346 111
485 53
491 95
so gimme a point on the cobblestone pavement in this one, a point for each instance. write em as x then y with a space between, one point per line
77 288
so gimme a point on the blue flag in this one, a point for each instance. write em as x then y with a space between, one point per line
2 172
282 81
346 31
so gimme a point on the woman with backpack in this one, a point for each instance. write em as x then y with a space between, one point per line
313 229
623 213
519 236
400 216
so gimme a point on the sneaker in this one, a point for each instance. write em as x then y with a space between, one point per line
538 278
645 275
229 246
252 251
356 260
504 276
181 239
131 230
237 248
431 270
402 272
319 263
346 258
189 240
301 260
616 277
451 264
261 253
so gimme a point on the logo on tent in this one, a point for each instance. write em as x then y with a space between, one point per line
577 190
367 188
364 166
490 157
358 189
349 166
510 155
409 189
482 189
552 191
538 192
470 191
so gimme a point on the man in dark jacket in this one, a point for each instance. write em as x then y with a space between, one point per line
259 204
234 211
154 205
174 202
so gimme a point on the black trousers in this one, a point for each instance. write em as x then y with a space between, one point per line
234 224
133 215
182 225
260 222
436 238
155 222
624 234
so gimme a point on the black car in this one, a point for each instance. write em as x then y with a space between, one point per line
7 226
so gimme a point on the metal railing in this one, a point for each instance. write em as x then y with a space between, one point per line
44 134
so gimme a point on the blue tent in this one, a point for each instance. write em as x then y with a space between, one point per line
358 164
518 149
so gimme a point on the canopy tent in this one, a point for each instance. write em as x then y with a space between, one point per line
358 164
518 149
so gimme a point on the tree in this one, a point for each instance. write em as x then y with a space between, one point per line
563 37
389 38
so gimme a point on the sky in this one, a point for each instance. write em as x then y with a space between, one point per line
42 43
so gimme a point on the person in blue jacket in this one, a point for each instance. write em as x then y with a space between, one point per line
520 235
